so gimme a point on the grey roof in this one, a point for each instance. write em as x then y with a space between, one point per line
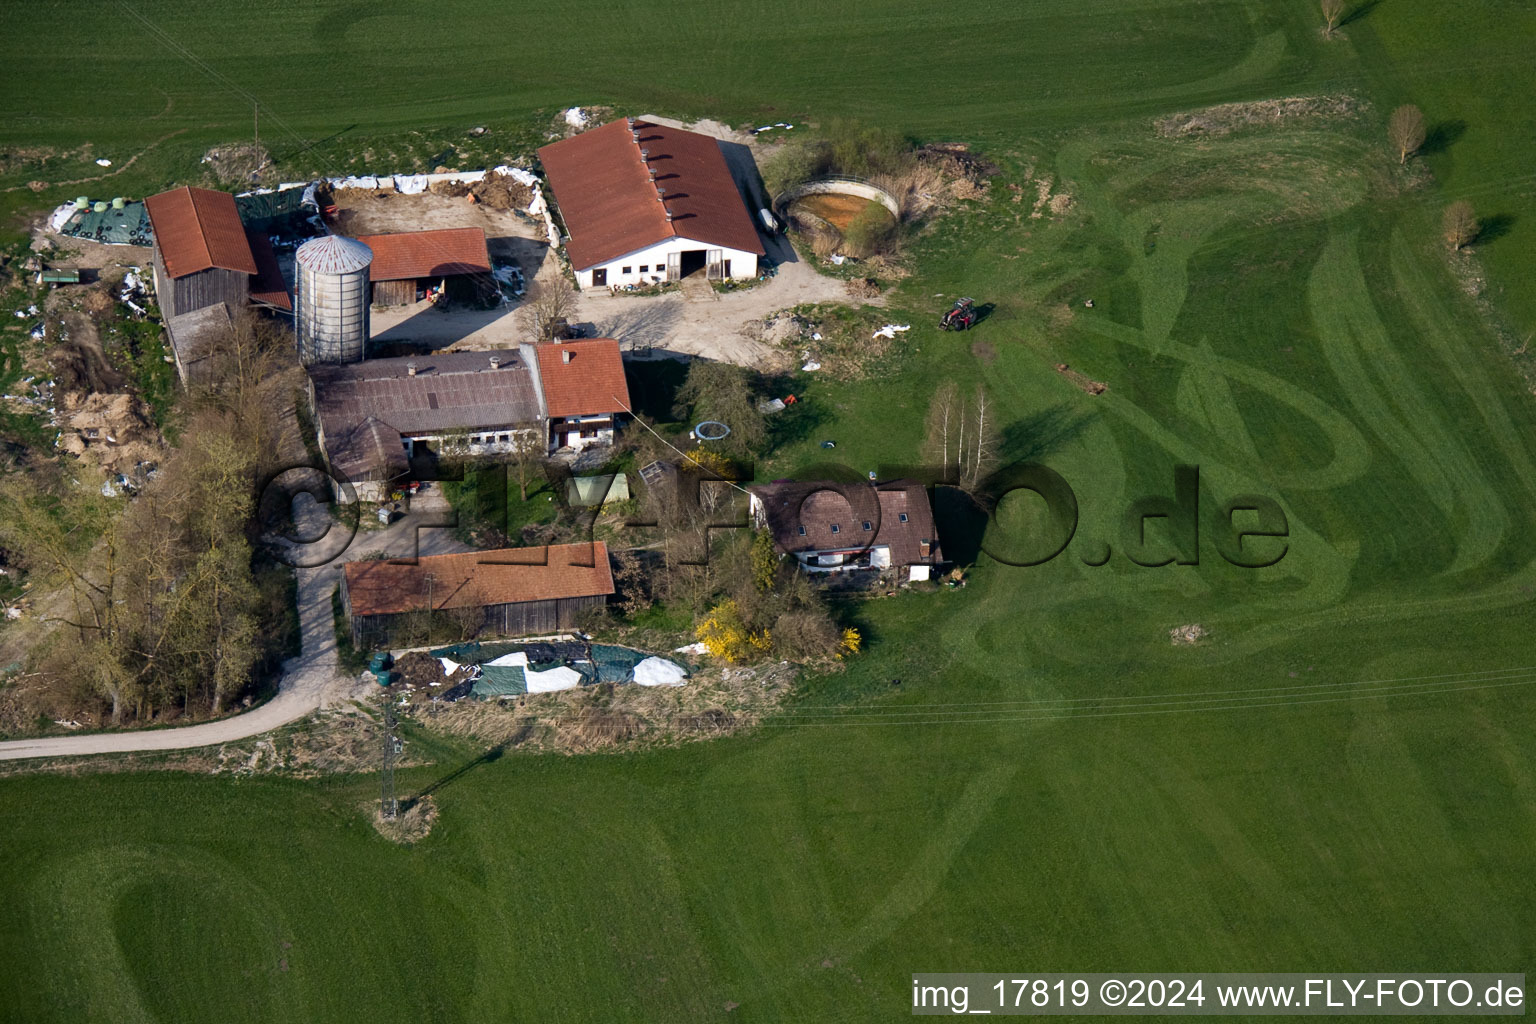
450 391
193 334
334 254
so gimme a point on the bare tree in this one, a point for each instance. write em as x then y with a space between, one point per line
1460 224
980 452
1406 130
548 307
1333 10
943 427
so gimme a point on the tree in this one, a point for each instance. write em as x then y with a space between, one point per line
722 392
549 305
870 232
1406 130
526 459
943 428
1333 10
962 436
1460 224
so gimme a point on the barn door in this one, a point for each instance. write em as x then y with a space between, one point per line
712 263
674 266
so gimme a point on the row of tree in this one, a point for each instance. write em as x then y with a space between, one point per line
157 601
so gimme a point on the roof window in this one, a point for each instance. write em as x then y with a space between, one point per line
903 517
835 528
802 531
867 527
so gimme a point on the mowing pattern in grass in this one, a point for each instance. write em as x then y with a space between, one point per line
1340 775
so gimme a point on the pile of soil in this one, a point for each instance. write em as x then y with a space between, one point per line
418 669
498 191
1229 117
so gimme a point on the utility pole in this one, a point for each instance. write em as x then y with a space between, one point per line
256 117
389 807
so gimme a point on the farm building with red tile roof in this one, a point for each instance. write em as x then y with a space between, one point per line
644 202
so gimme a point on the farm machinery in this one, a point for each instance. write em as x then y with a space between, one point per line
962 316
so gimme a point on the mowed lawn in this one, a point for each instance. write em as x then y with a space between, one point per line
1339 778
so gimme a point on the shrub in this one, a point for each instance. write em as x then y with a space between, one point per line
870 232
726 636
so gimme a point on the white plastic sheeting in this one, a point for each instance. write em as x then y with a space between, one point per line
410 184
561 678
889 330
576 117
655 671
449 666
61 216
515 658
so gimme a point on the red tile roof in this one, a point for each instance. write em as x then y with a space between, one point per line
609 202
196 229
441 253
268 285
583 378
478 578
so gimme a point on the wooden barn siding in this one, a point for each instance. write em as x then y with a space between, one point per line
206 288
523 618
394 293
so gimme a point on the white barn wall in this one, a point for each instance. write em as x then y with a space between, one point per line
743 264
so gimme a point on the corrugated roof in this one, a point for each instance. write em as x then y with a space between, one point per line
197 228
333 254
609 202
440 253
478 578
589 383
819 505
450 391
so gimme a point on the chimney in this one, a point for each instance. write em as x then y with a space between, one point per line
495 362
653 173
630 121
645 154
922 548
669 216
565 355
410 369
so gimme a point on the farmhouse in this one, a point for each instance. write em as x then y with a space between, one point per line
831 527
204 258
644 203
373 418
410 262
511 591
585 396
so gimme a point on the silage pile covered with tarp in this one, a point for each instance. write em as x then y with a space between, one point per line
507 669
126 226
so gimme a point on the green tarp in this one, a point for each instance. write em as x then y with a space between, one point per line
128 226
500 681
271 212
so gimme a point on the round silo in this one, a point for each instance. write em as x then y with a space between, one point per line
331 289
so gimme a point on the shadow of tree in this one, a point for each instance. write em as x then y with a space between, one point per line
1494 228
1359 12
645 324
961 523
1442 136
1034 437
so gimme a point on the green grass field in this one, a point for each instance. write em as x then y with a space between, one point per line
1341 777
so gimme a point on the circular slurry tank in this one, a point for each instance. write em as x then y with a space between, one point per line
835 203
331 293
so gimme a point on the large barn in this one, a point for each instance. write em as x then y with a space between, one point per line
644 203
510 591
377 416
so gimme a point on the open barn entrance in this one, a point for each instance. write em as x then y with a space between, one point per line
691 261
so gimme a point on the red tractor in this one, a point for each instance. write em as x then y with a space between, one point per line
963 315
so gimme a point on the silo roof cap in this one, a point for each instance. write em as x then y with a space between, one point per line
334 254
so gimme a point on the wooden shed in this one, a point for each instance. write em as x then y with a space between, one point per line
508 591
